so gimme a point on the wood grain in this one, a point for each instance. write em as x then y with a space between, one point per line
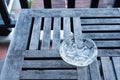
110 12
102 27
46 34
35 34
13 61
108 71
49 74
55 53
56 33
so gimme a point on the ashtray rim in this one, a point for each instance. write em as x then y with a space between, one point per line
89 61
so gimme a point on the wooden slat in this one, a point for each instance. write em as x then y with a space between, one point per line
49 74
101 35
101 28
116 64
110 12
78 31
101 21
113 43
41 53
46 64
66 27
108 71
82 73
109 52
56 33
46 34
79 40
13 62
94 71
55 53
35 34
97 35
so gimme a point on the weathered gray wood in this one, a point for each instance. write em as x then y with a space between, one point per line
101 35
107 68
66 27
101 28
55 53
46 64
35 34
13 61
15 64
78 32
116 66
74 12
56 33
49 74
46 34
109 52
94 71
41 53
82 73
103 21
109 44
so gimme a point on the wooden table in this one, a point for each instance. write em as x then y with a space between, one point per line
34 50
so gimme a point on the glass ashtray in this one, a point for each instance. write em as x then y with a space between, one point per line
73 55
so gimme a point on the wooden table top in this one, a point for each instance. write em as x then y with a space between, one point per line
34 50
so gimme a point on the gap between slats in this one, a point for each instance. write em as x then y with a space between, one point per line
46 33
35 34
29 38
49 74
115 62
102 21
101 67
108 69
102 72
85 31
